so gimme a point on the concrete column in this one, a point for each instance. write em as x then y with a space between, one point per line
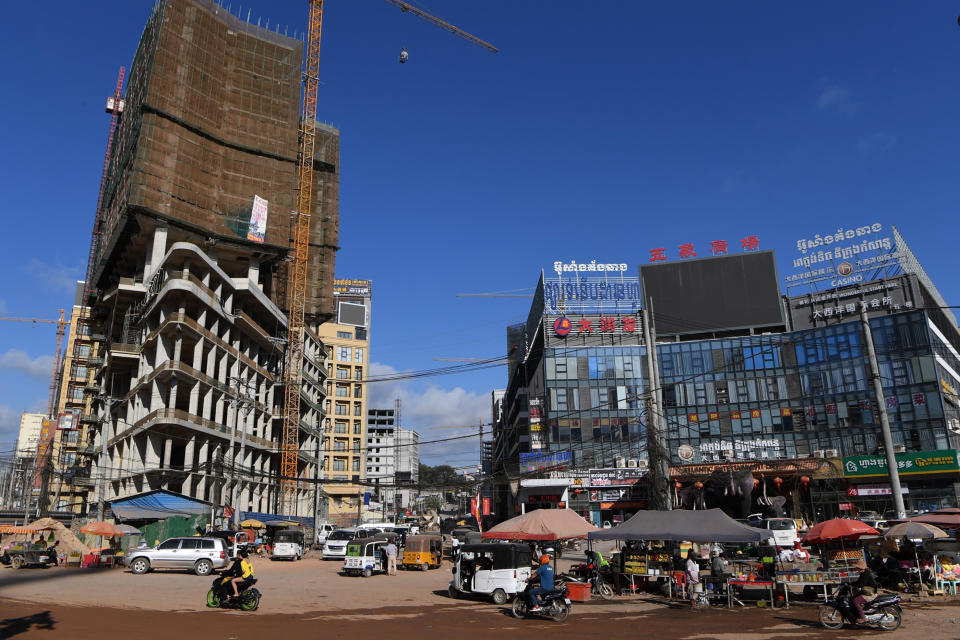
167 452
188 451
253 272
172 396
194 399
152 452
178 346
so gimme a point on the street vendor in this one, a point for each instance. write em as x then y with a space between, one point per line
693 573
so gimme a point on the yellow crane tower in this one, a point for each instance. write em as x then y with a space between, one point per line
297 279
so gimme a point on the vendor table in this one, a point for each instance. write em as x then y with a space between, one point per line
822 579
751 584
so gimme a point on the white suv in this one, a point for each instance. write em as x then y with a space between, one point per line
200 555
323 530
335 546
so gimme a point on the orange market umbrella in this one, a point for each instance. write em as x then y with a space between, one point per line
104 529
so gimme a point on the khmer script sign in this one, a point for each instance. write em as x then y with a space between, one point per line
843 257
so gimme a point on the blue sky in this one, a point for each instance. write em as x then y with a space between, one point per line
600 131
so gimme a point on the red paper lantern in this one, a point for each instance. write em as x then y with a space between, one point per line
679 485
756 483
778 481
698 485
805 480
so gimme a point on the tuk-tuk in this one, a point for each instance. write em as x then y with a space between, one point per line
288 544
365 556
423 552
498 569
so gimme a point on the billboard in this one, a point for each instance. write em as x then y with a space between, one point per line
352 314
710 294
620 477
258 220
351 287
536 461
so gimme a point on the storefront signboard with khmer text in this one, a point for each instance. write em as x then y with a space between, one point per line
907 464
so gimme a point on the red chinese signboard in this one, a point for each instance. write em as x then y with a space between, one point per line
717 247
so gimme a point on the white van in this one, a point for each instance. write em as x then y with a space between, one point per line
323 530
784 531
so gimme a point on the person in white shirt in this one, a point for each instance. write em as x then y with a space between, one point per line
693 574
786 554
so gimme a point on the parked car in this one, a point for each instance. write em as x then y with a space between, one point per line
200 555
323 530
335 546
784 531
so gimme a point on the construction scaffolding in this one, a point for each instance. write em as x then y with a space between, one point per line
211 121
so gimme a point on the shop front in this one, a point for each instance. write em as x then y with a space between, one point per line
928 481
616 494
547 493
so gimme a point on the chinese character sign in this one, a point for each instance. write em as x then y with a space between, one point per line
717 248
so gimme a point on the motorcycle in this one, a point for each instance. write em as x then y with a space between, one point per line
883 611
554 604
220 594
598 585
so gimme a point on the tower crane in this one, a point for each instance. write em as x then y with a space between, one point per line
299 251
48 431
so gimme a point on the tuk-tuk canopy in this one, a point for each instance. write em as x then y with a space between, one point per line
289 535
365 546
421 543
504 555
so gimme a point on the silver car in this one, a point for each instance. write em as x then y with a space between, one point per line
200 555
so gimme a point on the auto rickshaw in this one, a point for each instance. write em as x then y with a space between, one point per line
365 556
423 552
497 569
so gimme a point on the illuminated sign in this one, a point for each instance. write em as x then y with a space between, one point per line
591 294
588 267
351 287
562 326
845 257
907 464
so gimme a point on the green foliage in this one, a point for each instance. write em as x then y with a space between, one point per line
440 476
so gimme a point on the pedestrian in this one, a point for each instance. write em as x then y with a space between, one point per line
391 559
693 574
455 546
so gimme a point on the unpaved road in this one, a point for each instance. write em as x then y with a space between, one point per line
308 597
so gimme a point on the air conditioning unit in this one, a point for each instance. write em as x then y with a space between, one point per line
620 462
642 464
899 448
632 463
818 453
831 453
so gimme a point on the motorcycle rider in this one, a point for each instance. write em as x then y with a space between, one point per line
242 570
865 585
544 574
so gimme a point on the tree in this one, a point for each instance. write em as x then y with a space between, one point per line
440 476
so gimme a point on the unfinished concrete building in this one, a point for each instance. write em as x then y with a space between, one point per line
189 269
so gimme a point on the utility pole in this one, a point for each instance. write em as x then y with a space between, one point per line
656 449
102 480
27 489
236 488
892 470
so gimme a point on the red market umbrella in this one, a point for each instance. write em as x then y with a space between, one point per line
838 529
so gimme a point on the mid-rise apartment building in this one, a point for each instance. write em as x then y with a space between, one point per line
348 362
393 459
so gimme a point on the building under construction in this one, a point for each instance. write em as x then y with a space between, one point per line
188 265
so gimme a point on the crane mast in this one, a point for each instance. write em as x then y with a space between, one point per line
298 273
300 248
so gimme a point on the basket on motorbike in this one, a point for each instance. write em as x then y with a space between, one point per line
579 591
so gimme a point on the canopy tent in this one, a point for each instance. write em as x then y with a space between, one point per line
679 525
157 505
838 529
942 518
542 524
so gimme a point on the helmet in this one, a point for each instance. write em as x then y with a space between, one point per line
544 559
243 553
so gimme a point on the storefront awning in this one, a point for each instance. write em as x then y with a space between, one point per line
157 505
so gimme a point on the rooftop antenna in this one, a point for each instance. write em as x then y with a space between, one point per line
248 15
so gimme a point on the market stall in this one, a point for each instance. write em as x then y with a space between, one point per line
704 526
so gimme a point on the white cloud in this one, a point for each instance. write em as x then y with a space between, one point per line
876 143
9 428
15 360
837 98
54 277
423 409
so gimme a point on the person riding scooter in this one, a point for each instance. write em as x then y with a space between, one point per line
242 570
52 557
544 574
864 586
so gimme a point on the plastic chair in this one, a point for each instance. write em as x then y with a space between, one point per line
680 580
948 586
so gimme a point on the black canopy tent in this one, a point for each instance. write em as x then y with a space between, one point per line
710 525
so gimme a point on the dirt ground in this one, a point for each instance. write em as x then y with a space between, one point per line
308 597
